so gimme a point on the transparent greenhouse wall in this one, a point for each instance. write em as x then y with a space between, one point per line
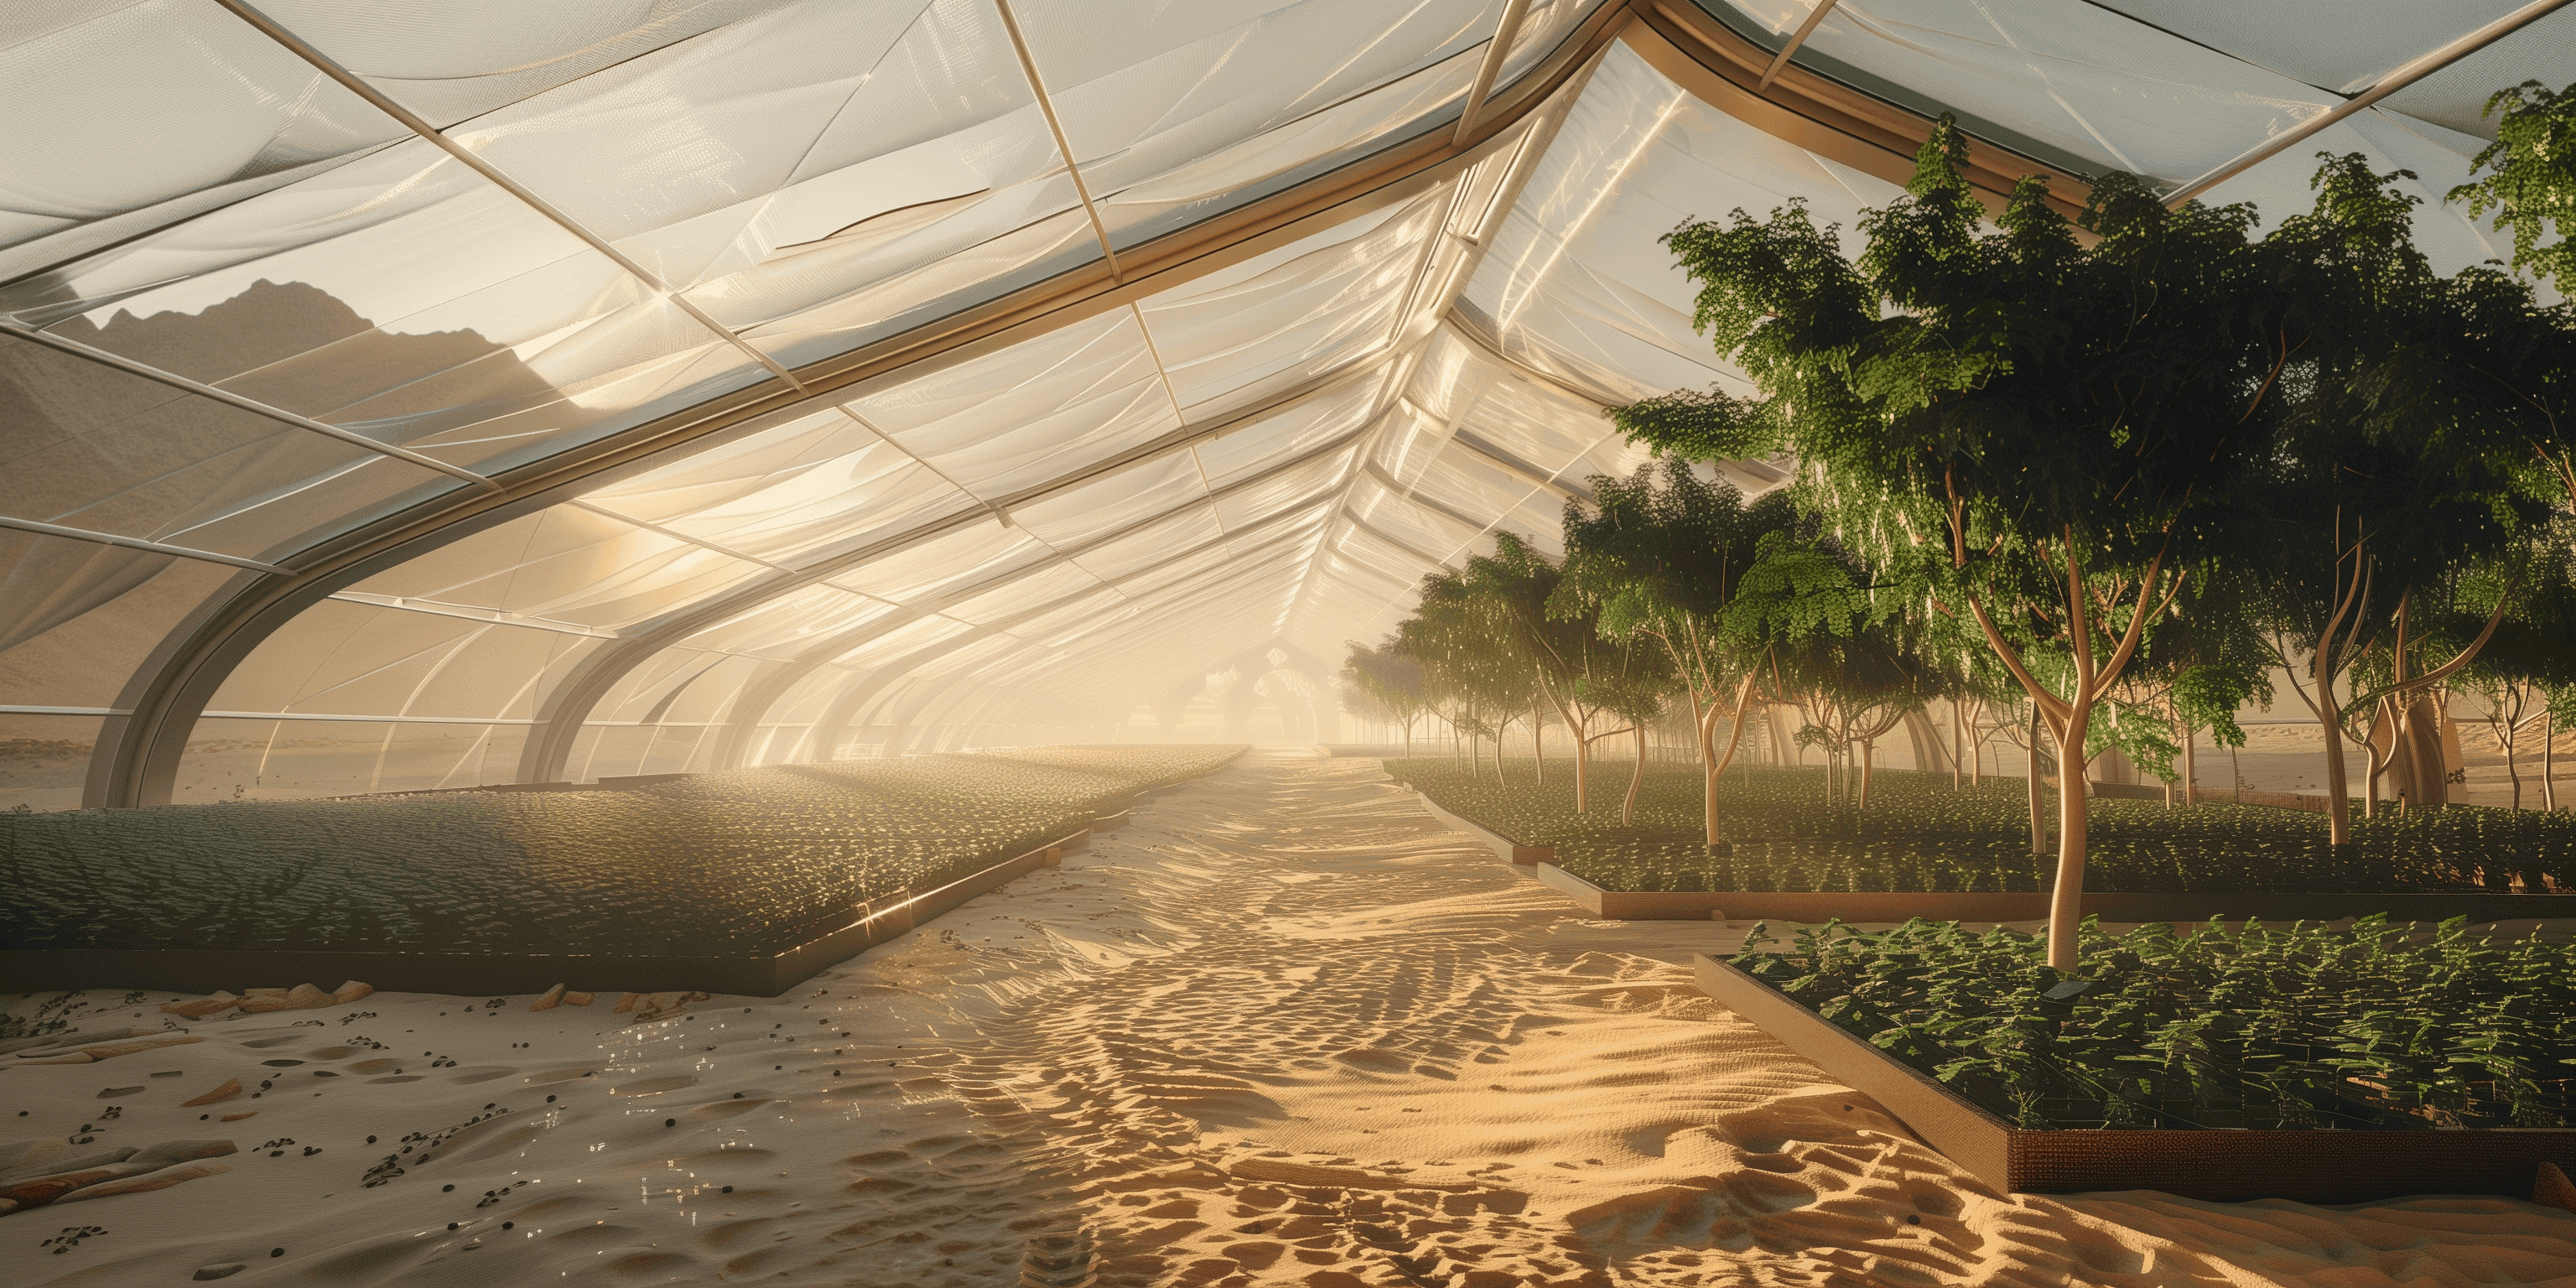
378 284
76 620
44 760
251 759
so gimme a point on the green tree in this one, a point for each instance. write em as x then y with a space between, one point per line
2524 353
2398 485
2042 430
1445 638
2531 180
1806 614
2200 667
1391 681
2530 659
1661 557
1587 679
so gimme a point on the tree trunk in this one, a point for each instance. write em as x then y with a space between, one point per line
2422 772
2504 736
1636 780
1708 767
2190 765
2038 808
2549 761
1582 766
1958 744
2379 748
1868 761
2338 796
1538 747
2066 898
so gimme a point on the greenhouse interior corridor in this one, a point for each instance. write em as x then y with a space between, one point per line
1422 644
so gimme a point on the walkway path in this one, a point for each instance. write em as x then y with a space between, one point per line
1288 1029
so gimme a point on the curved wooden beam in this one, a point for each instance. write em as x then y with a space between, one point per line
1815 112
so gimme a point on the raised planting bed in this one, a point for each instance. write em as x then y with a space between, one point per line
2326 1065
1503 846
742 974
742 882
1919 834
1818 906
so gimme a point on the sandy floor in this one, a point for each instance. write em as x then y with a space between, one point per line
1283 1029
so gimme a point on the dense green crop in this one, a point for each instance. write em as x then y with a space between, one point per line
1920 834
746 862
2368 1026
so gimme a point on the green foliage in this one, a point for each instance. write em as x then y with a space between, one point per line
2531 184
1665 554
2372 1026
2001 421
1796 593
2210 696
1704 425
2054 438
1380 682
752 861
1919 834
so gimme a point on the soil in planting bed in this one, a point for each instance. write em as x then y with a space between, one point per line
744 863
1919 833
2363 1026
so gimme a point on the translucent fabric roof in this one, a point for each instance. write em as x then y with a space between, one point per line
469 393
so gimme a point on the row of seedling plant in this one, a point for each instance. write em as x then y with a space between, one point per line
752 861
1921 834
2367 1026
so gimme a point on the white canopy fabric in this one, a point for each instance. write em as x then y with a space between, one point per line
474 393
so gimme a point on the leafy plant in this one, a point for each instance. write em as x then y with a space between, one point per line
1921 833
750 862
2372 1026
